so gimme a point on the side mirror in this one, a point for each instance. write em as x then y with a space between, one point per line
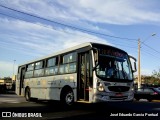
133 63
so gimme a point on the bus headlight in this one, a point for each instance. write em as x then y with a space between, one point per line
100 87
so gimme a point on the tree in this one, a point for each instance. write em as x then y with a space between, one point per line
156 74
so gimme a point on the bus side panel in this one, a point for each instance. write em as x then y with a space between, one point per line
17 87
55 86
50 87
37 87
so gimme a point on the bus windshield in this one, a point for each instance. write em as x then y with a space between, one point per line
114 67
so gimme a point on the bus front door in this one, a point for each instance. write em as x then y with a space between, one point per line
21 85
83 76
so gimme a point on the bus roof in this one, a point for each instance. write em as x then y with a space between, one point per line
68 50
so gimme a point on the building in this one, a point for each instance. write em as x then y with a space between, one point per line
6 81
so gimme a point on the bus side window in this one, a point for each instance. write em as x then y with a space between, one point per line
68 63
61 69
29 72
39 69
51 66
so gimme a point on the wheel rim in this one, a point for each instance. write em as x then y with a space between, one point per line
69 98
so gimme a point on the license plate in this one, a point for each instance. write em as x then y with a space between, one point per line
120 84
119 94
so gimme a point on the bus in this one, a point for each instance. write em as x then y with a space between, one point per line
89 72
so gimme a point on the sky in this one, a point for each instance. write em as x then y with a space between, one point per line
30 29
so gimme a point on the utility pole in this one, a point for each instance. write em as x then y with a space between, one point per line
13 66
139 59
13 77
139 62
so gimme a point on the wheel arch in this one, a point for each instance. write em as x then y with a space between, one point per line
27 87
67 88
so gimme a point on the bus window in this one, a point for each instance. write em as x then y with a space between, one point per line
39 71
52 68
71 57
51 71
72 67
66 68
51 62
39 65
61 69
29 72
30 67
69 62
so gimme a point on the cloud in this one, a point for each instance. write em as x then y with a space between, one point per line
42 39
112 12
36 40
122 12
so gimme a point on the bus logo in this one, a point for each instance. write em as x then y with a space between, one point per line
6 114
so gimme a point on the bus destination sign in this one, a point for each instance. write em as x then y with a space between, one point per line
111 52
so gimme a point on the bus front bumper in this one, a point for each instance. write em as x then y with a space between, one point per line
107 98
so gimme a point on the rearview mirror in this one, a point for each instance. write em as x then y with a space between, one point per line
133 63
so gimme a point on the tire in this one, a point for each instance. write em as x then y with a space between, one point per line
28 94
67 98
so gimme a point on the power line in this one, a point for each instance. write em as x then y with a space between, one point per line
63 24
133 47
148 38
151 48
151 54
69 26
79 29
156 58
63 30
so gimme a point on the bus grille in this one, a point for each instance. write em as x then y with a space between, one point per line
118 88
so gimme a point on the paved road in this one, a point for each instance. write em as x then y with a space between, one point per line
54 110
11 98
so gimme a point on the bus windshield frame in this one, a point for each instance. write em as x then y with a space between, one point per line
113 65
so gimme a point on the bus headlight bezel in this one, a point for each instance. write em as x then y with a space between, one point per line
100 87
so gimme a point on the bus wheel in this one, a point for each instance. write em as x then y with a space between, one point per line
27 94
67 97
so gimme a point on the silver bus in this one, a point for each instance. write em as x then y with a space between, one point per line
89 72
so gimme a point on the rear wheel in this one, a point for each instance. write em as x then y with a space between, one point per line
28 94
67 97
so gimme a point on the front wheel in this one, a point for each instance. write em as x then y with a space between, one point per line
67 98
